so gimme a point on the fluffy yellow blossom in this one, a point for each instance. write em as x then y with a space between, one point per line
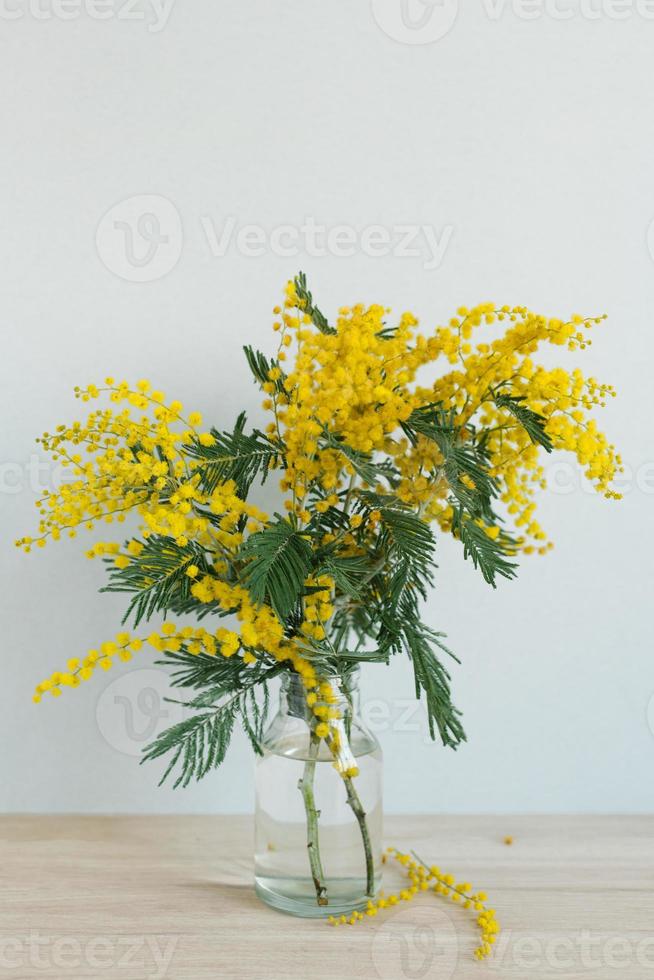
378 429
359 384
423 878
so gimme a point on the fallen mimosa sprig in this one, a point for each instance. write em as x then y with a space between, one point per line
424 877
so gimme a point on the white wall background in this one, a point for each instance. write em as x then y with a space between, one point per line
523 138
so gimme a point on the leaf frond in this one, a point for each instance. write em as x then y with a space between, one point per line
532 422
236 455
278 560
318 319
487 554
157 576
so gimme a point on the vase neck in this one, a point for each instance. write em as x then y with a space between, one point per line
345 688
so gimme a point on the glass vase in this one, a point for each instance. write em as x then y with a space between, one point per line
318 817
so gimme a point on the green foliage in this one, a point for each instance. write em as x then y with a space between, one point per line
487 554
254 715
473 490
399 628
278 560
200 672
235 455
532 422
198 744
464 462
348 572
261 367
432 679
411 541
361 462
406 542
387 333
306 301
157 577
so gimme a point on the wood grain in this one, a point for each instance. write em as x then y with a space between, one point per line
160 897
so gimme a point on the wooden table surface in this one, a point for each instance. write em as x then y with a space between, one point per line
171 898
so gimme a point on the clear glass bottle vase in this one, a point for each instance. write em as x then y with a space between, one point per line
318 818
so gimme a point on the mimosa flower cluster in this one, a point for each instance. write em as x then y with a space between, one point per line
381 436
346 401
422 879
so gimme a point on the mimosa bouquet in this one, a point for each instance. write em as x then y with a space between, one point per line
382 437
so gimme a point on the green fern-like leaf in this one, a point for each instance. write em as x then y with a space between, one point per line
433 680
306 299
465 465
348 572
532 422
201 672
261 367
278 560
235 455
361 462
228 690
488 554
254 714
198 744
157 577
407 541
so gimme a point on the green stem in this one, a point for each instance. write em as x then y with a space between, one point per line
305 785
357 808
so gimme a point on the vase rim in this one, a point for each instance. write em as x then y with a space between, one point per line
292 681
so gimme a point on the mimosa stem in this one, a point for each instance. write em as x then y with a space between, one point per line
357 808
305 785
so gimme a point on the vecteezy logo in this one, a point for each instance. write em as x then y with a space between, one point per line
140 239
133 710
415 944
415 21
